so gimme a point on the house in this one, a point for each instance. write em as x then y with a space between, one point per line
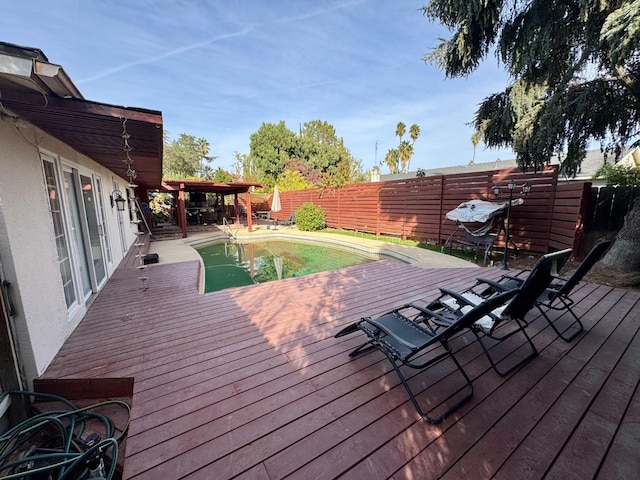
590 165
63 165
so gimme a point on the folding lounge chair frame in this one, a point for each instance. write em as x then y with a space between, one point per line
482 213
529 291
402 339
557 295
290 222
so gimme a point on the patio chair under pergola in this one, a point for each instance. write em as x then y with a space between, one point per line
179 187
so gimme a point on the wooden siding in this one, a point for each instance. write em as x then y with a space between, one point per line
250 383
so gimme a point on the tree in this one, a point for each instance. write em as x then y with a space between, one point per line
346 172
476 138
405 152
397 159
317 153
306 170
414 133
187 157
221 176
271 146
292 180
326 154
243 167
161 206
392 159
575 69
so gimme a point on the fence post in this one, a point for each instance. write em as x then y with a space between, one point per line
339 210
582 212
378 210
440 210
553 205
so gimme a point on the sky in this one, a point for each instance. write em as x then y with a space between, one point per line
219 69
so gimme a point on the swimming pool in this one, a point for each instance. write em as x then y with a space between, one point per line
235 264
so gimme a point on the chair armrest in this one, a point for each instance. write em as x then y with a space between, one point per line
459 297
500 287
430 315
514 278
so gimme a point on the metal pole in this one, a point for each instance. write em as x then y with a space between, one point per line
506 239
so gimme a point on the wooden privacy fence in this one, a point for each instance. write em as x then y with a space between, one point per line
416 208
605 212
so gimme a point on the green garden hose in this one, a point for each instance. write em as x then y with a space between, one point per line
53 444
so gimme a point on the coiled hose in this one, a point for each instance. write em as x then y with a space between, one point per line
53 444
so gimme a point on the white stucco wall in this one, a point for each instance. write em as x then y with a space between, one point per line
27 246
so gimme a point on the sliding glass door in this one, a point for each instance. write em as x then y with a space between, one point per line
77 210
95 229
77 233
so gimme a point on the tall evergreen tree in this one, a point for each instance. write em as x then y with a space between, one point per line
575 69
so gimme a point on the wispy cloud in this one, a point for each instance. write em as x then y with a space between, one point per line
218 70
205 43
171 53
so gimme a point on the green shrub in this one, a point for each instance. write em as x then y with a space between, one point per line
310 217
619 175
161 206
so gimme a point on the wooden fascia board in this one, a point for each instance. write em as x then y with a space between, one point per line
83 106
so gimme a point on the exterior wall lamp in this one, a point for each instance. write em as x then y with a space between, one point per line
117 198
526 188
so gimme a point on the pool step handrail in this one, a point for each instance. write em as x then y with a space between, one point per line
228 230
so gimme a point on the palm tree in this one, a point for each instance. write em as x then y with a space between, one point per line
414 133
398 158
405 151
391 159
202 146
475 140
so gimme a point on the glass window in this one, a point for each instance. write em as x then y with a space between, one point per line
64 260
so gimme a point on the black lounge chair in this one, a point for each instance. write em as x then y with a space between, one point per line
497 324
403 339
557 295
291 221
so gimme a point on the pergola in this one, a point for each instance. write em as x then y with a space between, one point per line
232 188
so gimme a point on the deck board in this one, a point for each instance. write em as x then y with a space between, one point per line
546 413
250 383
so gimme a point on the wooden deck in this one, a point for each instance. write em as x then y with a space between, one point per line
250 383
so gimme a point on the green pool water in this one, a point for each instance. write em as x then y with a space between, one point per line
237 264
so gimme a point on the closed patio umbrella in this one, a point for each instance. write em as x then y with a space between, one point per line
276 206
